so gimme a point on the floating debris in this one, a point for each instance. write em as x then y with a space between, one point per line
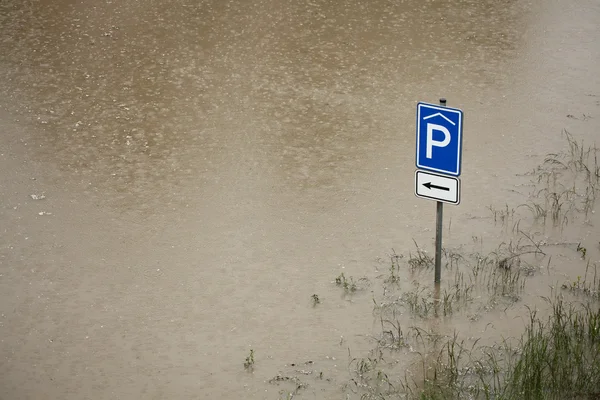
37 196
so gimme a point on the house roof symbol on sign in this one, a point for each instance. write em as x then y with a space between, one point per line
439 115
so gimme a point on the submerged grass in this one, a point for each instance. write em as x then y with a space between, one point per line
560 357
420 259
556 358
588 285
501 274
571 183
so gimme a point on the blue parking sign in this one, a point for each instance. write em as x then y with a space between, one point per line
439 138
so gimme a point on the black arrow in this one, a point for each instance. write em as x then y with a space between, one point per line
429 185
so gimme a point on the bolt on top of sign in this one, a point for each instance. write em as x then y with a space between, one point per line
439 138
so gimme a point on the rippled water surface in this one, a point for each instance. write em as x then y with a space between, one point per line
207 166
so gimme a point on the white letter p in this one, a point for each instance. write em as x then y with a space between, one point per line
431 142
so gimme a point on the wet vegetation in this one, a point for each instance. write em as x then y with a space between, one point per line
557 357
351 285
315 299
249 362
569 183
558 354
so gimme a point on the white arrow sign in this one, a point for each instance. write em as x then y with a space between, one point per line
437 187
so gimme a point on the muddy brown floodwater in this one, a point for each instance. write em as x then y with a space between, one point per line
203 167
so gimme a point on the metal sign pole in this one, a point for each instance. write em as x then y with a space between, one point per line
438 231
438 242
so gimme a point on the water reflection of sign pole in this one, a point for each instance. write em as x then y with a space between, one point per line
439 149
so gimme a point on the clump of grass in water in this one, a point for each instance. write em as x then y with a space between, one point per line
505 282
558 203
347 283
560 358
394 268
419 301
316 300
502 215
369 378
453 258
249 362
581 250
423 303
392 336
458 370
579 166
583 286
420 260
500 271
296 383
444 376
579 158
